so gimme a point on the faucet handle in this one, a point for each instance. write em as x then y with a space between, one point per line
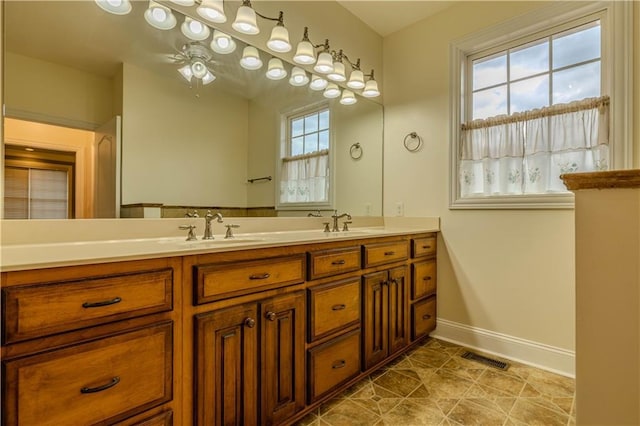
229 233
191 235
193 214
326 227
345 225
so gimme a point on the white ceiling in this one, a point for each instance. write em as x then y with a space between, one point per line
388 16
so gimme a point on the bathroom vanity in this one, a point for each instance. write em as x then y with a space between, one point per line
257 331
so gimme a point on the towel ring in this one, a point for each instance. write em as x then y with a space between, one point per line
355 151
410 137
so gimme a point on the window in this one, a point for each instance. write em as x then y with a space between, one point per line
533 106
304 169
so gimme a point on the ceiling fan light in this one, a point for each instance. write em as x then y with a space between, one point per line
371 89
348 98
198 68
208 78
324 64
279 40
222 43
159 16
194 30
318 83
186 72
305 53
275 69
356 80
332 91
117 7
245 22
212 10
250 59
338 73
298 77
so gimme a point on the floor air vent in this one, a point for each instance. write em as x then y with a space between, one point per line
484 360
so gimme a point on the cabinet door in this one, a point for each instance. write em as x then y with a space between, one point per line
376 313
227 366
282 363
398 306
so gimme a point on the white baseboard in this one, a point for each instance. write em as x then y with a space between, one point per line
550 358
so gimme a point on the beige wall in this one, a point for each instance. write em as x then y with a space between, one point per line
178 149
50 92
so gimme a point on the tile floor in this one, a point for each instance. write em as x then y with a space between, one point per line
434 385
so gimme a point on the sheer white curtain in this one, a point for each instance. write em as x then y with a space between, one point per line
525 153
305 178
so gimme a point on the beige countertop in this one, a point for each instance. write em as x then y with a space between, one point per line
19 252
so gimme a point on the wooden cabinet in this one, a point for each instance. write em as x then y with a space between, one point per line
89 345
424 284
385 304
232 343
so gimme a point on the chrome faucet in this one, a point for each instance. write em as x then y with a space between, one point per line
208 233
335 218
314 214
192 214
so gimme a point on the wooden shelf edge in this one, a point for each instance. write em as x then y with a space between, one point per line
602 180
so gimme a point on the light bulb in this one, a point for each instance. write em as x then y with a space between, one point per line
298 77
250 58
318 83
159 16
212 10
198 68
222 43
186 72
332 91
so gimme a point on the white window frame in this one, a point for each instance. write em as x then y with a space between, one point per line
616 19
283 151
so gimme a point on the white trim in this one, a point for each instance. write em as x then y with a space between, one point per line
620 50
539 355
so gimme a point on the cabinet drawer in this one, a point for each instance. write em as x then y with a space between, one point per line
162 419
423 315
224 280
39 310
102 381
333 307
424 280
379 254
324 263
422 247
333 363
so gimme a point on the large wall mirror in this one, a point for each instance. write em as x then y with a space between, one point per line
107 88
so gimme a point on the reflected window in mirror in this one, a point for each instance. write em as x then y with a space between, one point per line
305 171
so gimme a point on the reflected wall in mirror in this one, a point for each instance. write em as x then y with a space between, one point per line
71 64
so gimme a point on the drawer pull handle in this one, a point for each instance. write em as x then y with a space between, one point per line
250 322
271 316
102 303
426 317
389 253
338 262
260 277
111 384
339 364
428 278
339 307
426 247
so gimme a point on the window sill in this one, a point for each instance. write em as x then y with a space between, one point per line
515 202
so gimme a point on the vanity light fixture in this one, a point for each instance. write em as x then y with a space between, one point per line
348 98
212 10
298 77
318 83
338 73
159 16
194 30
222 43
245 22
250 59
117 7
332 91
275 69
371 87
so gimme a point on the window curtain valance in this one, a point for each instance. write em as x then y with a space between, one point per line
525 153
305 178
